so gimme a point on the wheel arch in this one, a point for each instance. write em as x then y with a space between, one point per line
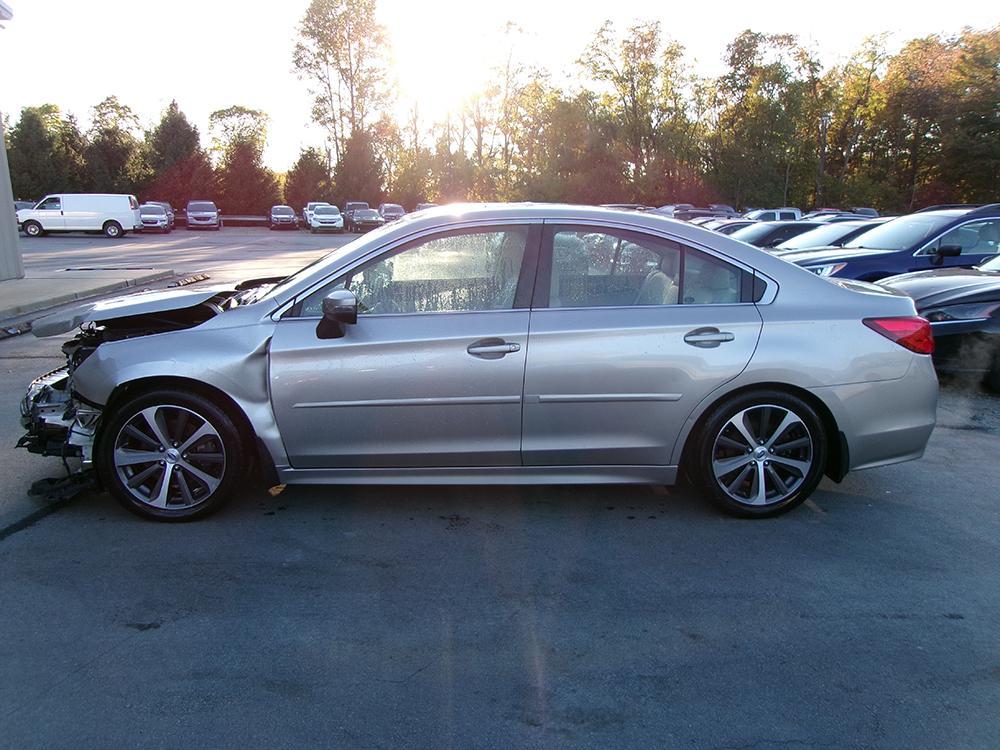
262 457
838 458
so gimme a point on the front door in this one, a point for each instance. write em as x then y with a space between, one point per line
50 214
635 332
432 372
979 242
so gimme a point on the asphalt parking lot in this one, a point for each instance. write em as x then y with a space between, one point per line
470 617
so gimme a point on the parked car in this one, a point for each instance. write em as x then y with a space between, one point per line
829 218
282 217
701 221
154 218
828 235
113 214
406 357
18 205
728 226
326 219
768 234
963 307
774 214
671 208
171 216
309 208
363 220
422 206
724 209
391 211
203 215
962 237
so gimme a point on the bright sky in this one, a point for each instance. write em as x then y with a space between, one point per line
210 54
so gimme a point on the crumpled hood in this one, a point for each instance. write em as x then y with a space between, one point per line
136 303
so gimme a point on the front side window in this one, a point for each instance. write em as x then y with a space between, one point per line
459 272
974 238
608 268
50 204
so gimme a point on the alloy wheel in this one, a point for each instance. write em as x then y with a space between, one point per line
169 457
762 455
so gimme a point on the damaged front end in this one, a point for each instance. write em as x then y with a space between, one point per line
61 423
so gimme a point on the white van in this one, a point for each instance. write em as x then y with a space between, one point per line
114 215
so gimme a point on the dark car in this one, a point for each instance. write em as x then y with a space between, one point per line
728 226
171 217
282 217
770 233
18 205
422 206
828 235
950 237
364 219
963 306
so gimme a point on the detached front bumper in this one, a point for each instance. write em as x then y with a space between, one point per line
56 424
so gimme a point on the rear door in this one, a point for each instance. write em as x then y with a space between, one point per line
431 374
629 332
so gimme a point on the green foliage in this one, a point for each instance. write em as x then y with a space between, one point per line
173 140
246 187
359 175
308 180
45 152
115 160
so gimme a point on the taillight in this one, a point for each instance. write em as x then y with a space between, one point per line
913 333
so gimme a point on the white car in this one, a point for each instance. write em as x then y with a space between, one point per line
785 213
113 214
307 212
326 218
154 217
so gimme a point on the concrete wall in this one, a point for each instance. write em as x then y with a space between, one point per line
11 266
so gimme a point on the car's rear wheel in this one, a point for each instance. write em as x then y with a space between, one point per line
32 229
112 230
761 453
171 456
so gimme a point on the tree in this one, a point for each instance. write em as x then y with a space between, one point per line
115 161
245 185
238 125
173 140
341 53
32 153
308 180
359 175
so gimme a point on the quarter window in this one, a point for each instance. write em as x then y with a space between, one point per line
458 272
611 269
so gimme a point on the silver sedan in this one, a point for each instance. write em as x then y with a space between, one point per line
495 344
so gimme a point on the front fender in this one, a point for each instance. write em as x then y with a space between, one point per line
231 360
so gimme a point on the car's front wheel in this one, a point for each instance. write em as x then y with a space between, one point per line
171 456
761 453
32 229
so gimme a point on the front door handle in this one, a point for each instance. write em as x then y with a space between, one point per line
707 338
492 348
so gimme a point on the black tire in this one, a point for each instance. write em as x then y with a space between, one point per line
992 379
790 474
187 490
32 229
113 230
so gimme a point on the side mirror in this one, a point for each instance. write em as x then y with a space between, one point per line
340 308
945 251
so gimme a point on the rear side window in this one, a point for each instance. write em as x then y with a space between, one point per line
612 268
786 216
133 203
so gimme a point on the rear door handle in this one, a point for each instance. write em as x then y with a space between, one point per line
492 348
707 338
